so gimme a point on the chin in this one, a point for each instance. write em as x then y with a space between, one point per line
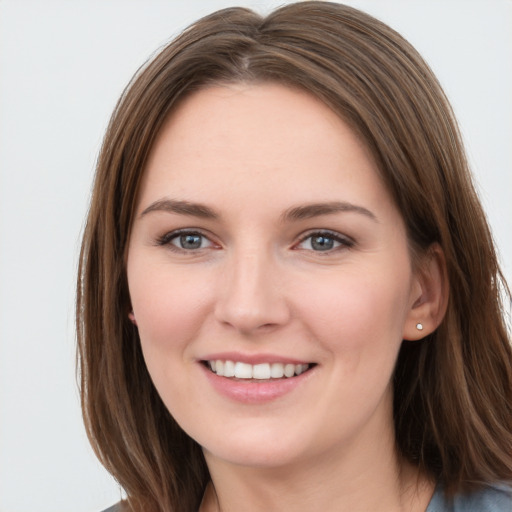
264 452
255 459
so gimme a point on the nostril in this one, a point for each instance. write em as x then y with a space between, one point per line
249 297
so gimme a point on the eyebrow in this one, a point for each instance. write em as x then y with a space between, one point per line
295 213
181 208
309 211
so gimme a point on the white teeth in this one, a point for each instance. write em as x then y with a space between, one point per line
242 371
262 371
289 370
229 369
276 370
298 369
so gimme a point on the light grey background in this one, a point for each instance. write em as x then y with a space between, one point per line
63 65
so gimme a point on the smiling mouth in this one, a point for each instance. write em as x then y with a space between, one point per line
263 371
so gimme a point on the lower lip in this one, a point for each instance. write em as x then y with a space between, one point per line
254 391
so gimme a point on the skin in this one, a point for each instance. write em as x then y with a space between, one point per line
258 285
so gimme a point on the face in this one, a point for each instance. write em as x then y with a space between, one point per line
270 277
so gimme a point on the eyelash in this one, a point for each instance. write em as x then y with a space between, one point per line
167 239
343 241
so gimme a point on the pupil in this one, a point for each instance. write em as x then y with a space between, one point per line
322 243
190 241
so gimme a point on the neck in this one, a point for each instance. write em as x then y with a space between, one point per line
371 478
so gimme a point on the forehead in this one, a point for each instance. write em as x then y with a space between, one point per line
255 113
237 139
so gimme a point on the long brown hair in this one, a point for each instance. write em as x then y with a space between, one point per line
453 390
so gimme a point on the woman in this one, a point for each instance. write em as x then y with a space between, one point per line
289 297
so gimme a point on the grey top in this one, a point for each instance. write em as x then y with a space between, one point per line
113 508
494 498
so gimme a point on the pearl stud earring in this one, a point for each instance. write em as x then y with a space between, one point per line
419 326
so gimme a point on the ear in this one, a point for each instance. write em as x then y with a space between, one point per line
131 316
429 295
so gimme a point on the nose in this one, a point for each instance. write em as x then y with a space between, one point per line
251 297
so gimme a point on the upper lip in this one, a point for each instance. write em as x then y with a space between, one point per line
253 358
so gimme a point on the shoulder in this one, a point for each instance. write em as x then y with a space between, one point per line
492 498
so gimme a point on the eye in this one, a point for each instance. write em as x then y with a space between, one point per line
324 241
185 240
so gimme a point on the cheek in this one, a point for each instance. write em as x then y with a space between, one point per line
169 305
358 311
